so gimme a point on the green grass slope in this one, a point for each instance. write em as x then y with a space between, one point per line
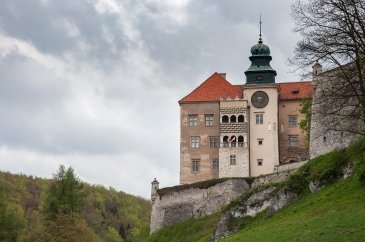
334 213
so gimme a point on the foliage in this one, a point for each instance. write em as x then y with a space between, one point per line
112 235
187 231
98 215
70 228
11 220
305 123
65 194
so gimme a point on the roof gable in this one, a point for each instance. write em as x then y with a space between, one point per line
213 89
295 90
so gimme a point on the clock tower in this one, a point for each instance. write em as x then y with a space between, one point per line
261 93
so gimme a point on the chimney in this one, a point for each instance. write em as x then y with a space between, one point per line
222 75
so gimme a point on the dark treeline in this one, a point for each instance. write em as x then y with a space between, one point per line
65 209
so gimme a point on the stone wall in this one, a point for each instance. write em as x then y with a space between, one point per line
177 204
330 122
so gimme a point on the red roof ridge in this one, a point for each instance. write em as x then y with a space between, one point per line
213 89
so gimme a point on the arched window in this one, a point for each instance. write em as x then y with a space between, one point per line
233 141
240 141
225 141
225 119
233 119
241 119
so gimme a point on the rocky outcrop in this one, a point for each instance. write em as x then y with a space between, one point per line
270 199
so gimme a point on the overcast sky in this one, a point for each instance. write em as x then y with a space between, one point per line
94 84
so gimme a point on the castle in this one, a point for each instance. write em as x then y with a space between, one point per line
242 130
238 131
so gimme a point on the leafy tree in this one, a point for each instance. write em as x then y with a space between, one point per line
305 123
69 228
333 32
112 235
65 194
11 220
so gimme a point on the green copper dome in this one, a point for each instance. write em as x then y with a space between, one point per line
260 49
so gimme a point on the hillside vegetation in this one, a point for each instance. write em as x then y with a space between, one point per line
334 213
65 209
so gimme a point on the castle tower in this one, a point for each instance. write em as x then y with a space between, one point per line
317 69
260 71
233 151
261 93
154 188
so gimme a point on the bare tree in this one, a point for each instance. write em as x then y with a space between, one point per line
333 33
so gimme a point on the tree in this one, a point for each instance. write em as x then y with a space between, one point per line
11 220
333 33
65 194
305 123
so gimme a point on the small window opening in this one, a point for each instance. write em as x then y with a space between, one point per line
241 119
240 141
233 119
225 119
225 141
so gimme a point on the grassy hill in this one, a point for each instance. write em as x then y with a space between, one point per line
105 214
334 213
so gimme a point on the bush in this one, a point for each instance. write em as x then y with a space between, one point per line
297 182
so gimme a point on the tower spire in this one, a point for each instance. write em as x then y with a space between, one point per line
260 39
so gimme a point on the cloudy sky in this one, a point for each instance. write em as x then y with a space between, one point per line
94 84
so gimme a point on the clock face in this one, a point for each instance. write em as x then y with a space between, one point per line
259 99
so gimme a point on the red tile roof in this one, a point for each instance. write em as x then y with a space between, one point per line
213 89
295 90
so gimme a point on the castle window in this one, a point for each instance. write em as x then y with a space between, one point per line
293 140
216 164
194 142
193 120
241 119
259 118
225 119
232 159
240 141
209 120
225 141
293 121
233 119
260 162
324 138
214 142
233 141
260 141
196 165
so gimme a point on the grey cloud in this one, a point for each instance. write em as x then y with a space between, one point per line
47 26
